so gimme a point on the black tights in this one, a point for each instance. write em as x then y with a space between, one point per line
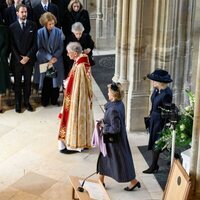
49 93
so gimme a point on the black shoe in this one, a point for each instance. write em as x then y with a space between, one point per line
18 108
1 110
151 170
66 151
131 189
29 107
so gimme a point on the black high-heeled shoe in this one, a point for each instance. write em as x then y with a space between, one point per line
151 170
132 188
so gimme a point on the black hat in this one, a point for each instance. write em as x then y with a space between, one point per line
160 75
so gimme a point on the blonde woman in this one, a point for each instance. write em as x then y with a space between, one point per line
118 163
50 48
161 95
76 13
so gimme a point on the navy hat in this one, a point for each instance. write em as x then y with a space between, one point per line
160 75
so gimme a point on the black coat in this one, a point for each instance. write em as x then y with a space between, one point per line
118 162
23 42
158 99
39 10
85 42
72 17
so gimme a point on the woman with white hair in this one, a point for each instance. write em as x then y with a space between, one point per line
77 122
84 39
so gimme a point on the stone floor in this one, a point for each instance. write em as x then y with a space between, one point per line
31 167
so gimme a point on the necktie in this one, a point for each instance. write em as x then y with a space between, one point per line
23 26
45 8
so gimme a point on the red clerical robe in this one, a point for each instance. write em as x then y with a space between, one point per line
77 121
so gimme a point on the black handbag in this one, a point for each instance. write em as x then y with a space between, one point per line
110 137
51 72
147 122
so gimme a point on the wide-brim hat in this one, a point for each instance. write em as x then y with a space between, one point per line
160 75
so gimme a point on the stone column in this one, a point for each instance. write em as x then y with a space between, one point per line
99 19
182 68
159 36
106 24
124 48
195 158
138 62
124 41
118 41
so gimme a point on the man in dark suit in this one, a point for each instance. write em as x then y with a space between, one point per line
23 45
10 13
44 6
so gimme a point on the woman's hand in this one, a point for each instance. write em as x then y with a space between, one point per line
53 60
65 82
86 51
101 123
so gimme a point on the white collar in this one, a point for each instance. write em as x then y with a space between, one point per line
20 21
44 4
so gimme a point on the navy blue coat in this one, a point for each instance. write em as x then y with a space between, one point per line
118 163
158 99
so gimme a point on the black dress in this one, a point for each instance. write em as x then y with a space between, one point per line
158 99
118 162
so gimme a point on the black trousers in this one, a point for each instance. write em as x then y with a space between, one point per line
20 70
49 94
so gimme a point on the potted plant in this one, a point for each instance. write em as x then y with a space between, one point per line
183 128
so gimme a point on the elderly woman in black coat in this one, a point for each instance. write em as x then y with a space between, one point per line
161 96
118 163
84 39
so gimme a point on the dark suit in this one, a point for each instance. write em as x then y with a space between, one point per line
39 10
11 16
23 43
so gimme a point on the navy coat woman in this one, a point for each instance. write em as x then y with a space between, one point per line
161 96
118 163
159 99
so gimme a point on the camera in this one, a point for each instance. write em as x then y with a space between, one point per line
170 112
